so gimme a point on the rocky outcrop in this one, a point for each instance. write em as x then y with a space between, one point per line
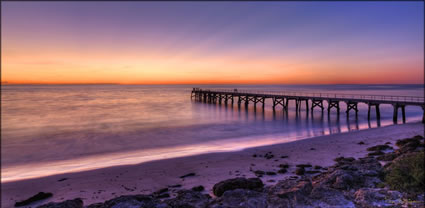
349 183
237 183
74 203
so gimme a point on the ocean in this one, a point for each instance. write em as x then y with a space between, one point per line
53 129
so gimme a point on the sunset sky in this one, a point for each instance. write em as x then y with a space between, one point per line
212 42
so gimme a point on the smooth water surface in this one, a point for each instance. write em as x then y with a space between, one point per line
50 129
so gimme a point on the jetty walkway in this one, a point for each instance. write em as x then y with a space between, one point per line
316 99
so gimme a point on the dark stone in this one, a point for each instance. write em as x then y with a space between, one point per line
377 197
414 141
361 143
312 148
284 156
37 197
282 171
317 167
304 165
161 191
387 157
379 148
237 183
62 179
300 171
161 196
270 173
259 172
188 199
188 175
375 153
254 155
240 198
284 165
268 155
344 159
144 201
198 188
312 171
75 203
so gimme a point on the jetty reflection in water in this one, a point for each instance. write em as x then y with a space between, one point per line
306 123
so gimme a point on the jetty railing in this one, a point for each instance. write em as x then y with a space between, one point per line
324 95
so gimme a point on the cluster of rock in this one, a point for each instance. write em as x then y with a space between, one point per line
349 183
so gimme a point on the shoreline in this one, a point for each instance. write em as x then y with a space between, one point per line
106 183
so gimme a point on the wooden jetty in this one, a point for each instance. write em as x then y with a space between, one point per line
316 99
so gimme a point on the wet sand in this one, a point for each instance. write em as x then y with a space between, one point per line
103 184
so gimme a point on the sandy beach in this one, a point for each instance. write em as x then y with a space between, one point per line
103 184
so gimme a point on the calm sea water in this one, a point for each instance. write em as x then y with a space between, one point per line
63 128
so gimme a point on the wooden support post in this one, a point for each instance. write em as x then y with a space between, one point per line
264 101
333 104
403 112
395 114
368 112
378 114
318 103
351 106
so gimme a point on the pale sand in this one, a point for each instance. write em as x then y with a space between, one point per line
103 184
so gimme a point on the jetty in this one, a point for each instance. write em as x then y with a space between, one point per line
316 99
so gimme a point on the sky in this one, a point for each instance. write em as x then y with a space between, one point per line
212 42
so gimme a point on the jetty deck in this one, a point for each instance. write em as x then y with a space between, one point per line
316 99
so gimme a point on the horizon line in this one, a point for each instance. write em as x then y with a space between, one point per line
3 83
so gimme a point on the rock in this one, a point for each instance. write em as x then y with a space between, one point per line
282 171
188 175
317 167
312 148
254 155
259 173
37 197
240 198
300 171
189 199
269 155
284 165
270 173
413 141
175 186
304 165
161 191
62 179
387 157
323 196
379 148
75 203
290 193
344 159
361 143
312 171
198 188
377 197
237 183
284 156
375 153
161 196
130 201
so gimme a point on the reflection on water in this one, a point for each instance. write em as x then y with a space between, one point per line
49 129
